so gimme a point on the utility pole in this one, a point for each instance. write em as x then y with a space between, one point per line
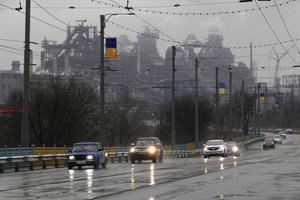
251 64
102 83
217 99
25 120
173 138
258 108
196 106
230 105
243 109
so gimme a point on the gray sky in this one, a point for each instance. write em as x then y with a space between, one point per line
238 28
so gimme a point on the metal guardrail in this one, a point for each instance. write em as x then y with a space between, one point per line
112 157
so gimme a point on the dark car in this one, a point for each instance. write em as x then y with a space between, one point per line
232 148
87 154
269 143
146 148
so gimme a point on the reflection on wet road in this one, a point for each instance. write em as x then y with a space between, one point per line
132 179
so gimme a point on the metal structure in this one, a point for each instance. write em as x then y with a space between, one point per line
278 59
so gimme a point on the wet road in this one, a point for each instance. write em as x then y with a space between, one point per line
257 174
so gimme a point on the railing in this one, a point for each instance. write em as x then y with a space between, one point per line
30 161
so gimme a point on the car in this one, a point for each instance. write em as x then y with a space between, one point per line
232 148
282 134
251 130
289 131
269 142
87 154
146 148
277 130
215 148
277 138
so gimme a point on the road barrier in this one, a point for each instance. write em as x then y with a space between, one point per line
57 159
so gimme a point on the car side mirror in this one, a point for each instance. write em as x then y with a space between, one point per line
132 144
204 145
158 144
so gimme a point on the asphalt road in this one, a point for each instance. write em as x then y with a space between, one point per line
256 174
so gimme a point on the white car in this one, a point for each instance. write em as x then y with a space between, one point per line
282 134
277 139
215 148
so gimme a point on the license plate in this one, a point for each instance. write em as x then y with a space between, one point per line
80 162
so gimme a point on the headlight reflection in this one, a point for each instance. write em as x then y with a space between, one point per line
89 177
132 178
222 166
152 178
71 176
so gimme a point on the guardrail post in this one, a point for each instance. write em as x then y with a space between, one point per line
112 159
31 165
16 167
126 158
56 163
44 164
120 159
1 168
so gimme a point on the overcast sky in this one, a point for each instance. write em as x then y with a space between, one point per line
237 28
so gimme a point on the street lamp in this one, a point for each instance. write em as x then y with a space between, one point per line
102 68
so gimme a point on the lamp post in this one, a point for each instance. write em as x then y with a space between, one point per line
102 68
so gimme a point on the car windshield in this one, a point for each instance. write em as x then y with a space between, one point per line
230 144
269 139
85 147
214 142
144 143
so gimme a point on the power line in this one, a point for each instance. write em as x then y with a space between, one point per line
285 25
205 46
50 13
273 31
35 18
143 10
149 24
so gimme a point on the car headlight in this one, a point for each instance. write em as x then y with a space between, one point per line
90 157
132 150
151 149
71 157
235 149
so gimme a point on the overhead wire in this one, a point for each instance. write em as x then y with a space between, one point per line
143 10
148 23
205 46
50 13
283 21
47 23
273 31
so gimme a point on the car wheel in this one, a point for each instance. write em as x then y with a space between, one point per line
139 161
161 158
70 166
132 160
79 166
154 160
96 164
103 165
205 156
